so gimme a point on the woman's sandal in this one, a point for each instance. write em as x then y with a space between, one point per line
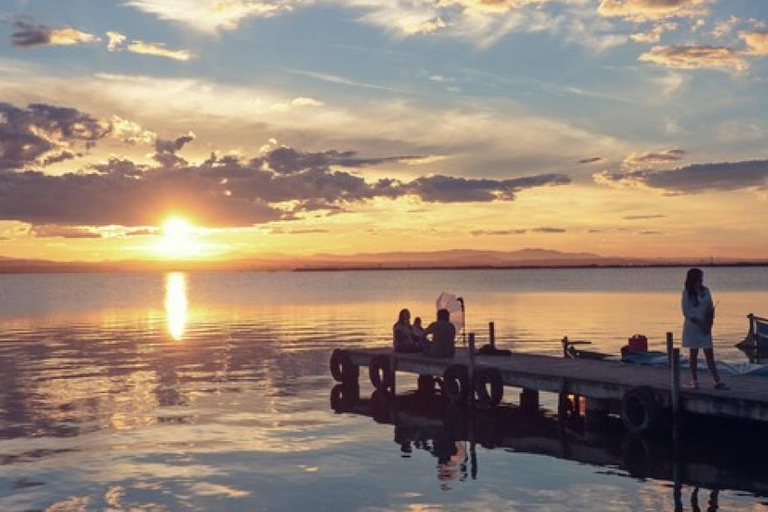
721 385
694 384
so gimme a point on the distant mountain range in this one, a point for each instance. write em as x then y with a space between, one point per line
457 258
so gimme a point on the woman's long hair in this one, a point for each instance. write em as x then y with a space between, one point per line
401 317
694 276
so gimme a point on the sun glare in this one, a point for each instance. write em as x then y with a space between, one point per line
179 238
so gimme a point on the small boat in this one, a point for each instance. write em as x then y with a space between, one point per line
755 344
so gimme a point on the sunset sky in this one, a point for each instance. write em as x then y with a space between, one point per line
215 129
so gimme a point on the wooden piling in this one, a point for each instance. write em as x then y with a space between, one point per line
676 383
670 346
492 334
471 367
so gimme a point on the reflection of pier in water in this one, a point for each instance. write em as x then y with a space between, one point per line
714 455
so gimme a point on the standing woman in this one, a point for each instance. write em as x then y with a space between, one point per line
699 313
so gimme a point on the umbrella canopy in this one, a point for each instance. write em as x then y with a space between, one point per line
449 301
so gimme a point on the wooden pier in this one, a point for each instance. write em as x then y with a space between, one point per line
606 386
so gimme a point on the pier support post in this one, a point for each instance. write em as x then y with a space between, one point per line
596 411
529 400
492 334
471 368
670 346
675 388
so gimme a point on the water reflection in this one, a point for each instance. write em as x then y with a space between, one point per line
453 435
176 304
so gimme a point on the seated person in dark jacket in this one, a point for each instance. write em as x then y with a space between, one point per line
443 333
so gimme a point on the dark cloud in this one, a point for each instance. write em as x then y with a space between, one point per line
447 189
643 217
548 230
666 156
650 233
141 232
44 134
27 34
285 160
693 179
225 190
56 231
498 232
165 150
592 160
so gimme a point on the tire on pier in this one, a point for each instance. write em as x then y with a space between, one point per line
456 383
382 376
342 368
640 411
486 378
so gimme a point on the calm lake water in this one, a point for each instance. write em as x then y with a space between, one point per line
150 392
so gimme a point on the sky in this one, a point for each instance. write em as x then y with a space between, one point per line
227 129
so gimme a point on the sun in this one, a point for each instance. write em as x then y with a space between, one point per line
179 238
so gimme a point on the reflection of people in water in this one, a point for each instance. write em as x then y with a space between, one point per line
451 459
712 505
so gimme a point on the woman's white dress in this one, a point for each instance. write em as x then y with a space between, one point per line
693 337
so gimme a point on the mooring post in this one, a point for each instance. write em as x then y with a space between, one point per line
471 369
393 369
670 346
492 334
675 390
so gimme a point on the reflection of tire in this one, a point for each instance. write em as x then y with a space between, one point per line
485 378
640 411
343 396
456 383
426 385
382 377
342 368
638 456
381 406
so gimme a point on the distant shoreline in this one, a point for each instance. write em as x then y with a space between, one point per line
98 268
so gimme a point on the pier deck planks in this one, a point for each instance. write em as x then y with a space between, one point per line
607 380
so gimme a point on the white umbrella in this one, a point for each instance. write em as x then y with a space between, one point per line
455 306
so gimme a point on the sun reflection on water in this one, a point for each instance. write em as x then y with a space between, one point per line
176 304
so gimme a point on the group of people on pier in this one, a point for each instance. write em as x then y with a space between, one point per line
698 312
413 338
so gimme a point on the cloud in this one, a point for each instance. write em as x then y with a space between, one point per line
56 231
592 160
548 230
725 27
693 179
691 56
30 35
654 35
119 42
115 41
447 189
130 132
307 231
158 50
643 217
636 160
44 134
756 41
498 232
645 10
211 15
227 190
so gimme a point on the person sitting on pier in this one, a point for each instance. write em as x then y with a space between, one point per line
699 313
419 334
443 333
402 333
